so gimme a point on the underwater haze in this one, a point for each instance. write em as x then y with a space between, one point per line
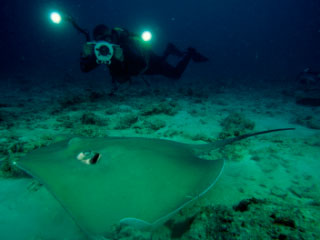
243 39
117 138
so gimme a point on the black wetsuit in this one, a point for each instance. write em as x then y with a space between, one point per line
159 66
137 60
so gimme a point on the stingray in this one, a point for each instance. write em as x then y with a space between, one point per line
137 181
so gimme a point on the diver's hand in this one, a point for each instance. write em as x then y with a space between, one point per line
87 50
118 53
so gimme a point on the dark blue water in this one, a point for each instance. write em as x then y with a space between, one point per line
269 40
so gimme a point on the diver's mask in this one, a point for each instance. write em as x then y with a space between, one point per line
103 51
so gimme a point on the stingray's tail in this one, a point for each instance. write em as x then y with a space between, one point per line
224 142
257 133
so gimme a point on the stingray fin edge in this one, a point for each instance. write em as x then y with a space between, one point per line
135 222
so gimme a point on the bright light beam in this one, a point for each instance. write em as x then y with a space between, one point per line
55 17
146 36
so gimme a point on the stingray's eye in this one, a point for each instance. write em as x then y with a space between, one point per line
89 157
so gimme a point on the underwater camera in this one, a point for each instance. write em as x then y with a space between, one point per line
103 51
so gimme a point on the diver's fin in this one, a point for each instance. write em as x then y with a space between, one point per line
195 56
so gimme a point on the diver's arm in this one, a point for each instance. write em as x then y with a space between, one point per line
88 59
118 53
87 64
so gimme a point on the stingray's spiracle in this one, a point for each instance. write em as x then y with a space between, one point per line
89 157
95 158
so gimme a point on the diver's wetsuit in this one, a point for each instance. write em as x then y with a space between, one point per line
138 59
159 66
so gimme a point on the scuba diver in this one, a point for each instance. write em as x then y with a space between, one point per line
127 55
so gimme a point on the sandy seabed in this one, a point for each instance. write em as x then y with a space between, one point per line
269 188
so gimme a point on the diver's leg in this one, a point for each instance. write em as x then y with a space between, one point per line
162 67
178 70
171 49
196 56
